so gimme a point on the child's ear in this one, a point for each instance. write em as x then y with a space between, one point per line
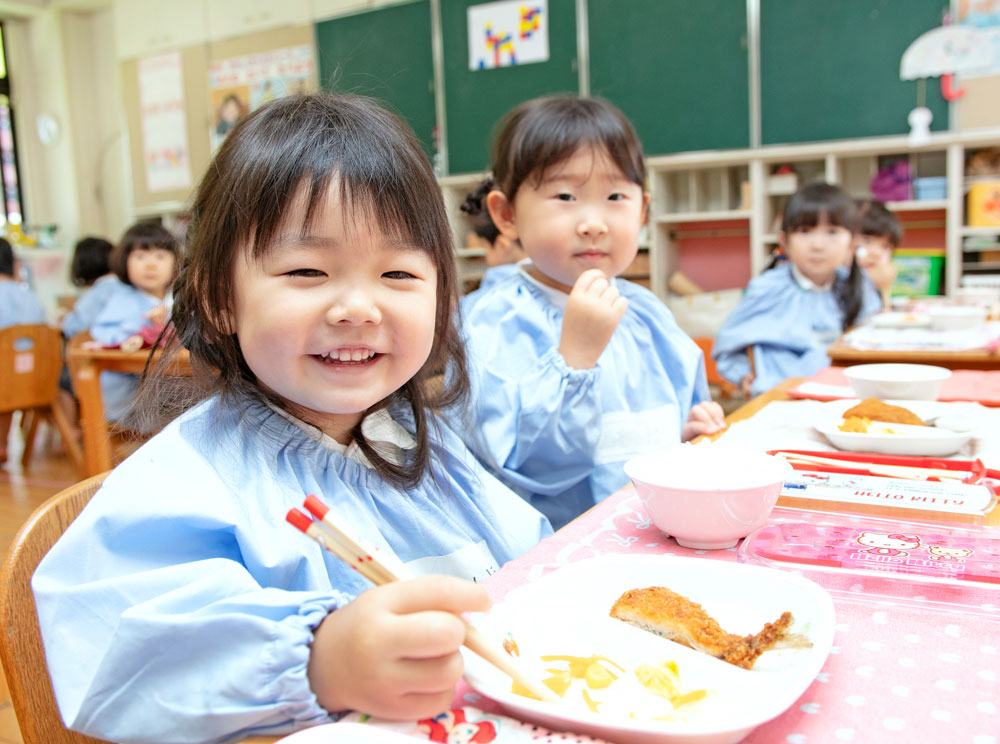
645 208
502 213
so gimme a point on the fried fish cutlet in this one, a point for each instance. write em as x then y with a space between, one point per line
677 618
876 410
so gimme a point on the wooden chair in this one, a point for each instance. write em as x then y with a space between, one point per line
727 388
20 639
30 362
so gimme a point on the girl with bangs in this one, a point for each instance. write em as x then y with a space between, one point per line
576 371
316 300
809 295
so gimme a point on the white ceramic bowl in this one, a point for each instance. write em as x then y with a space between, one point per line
897 381
708 495
956 317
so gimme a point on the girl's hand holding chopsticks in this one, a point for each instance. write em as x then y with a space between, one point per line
394 651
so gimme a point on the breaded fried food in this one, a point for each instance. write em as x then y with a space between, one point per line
666 613
876 410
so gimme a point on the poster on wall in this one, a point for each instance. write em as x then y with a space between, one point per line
980 19
164 125
239 85
507 33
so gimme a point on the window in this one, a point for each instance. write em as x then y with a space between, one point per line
13 211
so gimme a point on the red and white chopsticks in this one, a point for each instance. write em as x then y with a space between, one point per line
330 532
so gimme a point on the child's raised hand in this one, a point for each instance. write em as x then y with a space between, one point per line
706 417
158 315
394 651
592 314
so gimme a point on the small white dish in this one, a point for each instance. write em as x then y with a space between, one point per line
929 441
566 612
956 317
893 319
897 381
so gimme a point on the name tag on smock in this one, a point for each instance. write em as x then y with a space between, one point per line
626 434
474 562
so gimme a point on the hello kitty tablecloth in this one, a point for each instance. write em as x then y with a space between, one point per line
897 672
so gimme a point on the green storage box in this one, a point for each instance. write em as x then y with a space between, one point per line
920 271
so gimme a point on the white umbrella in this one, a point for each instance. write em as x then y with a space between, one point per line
946 50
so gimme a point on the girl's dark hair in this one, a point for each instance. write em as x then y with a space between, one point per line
91 261
142 235
875 219
479 215
296 147
810 205
543 132
6 258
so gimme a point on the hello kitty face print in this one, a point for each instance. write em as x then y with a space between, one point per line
893 544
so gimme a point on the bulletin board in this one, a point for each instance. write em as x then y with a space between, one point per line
683 82
194 63
476 99
830 70
384 53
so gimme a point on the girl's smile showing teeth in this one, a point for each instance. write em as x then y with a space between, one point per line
348 356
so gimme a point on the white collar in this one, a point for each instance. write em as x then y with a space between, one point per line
806 283
379 428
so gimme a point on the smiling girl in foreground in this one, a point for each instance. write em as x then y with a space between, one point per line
319 283
792 312
588 370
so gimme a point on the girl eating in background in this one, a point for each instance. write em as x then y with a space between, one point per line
798 307
576 371
146 261
316 299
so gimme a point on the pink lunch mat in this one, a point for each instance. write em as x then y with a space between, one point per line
964 384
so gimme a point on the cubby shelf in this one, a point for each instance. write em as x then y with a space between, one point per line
733 185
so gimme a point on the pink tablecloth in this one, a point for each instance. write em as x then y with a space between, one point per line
896 674
964 384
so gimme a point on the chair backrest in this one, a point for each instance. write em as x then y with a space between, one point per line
711 371
21 647
30 362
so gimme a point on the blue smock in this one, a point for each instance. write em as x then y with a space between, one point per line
491 277
789 323
180 605
123 315
19 305
560 436
89 305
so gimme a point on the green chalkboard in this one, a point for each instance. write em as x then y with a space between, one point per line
476 99
386 54
830 68
677 69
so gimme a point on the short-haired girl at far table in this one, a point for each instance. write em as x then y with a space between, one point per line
317 296
576 371
798 307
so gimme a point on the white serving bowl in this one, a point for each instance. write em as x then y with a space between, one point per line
708 495
897 381
956 317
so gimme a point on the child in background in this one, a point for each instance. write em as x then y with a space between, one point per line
793 311
576 371
317 297
18 306
879 234
91 271
502 253
146 261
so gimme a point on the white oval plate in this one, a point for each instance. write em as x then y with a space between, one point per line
929 441
566 612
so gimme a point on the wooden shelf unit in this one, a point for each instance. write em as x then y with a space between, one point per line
692 188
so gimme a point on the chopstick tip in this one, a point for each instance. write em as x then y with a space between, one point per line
316 507
299 520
